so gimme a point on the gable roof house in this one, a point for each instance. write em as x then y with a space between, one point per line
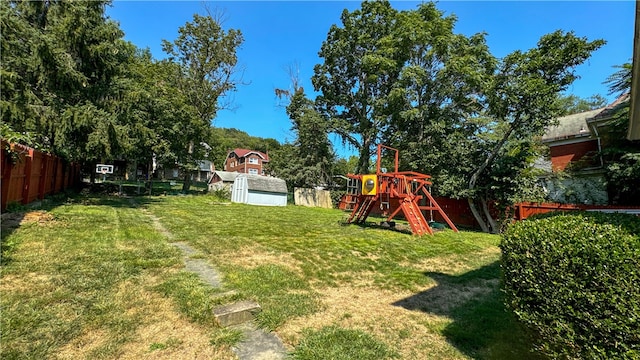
246 161
575 148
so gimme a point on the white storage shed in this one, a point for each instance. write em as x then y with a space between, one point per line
259 190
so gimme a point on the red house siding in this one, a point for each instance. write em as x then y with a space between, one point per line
562 155
242 164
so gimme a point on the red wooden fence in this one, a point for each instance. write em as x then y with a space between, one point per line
33 174
460 214
527 209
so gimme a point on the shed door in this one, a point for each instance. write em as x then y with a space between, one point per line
239 192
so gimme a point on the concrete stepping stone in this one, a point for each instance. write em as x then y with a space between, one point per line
258 344
236 313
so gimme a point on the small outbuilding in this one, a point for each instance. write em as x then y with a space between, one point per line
259 190
222 179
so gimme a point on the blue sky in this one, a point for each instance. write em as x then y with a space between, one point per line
278 34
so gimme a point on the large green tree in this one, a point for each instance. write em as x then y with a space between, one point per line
572 104
206 54
361 64
622 156
438 89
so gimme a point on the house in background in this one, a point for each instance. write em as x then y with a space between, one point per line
575 150
246 161
203 172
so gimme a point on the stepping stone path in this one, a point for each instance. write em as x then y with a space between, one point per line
256 344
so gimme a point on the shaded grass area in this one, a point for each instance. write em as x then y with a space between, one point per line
143 188
481 326
78 283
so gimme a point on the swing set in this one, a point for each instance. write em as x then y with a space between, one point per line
394 192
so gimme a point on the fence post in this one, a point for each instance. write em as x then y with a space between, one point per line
6 176
27 176
54 172
520 211
44 173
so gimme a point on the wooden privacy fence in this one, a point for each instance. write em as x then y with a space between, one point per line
28 174
460 214
527 209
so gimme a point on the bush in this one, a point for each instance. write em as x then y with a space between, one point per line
574 280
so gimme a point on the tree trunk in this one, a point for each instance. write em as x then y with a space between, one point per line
477 216
365 156
476 175
492 222
150 175
186 185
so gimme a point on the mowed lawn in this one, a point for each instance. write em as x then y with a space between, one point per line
97 278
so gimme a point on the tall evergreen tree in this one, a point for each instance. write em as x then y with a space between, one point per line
62 61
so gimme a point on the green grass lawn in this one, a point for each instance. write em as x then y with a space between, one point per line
93 278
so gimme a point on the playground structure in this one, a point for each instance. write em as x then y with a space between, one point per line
393 192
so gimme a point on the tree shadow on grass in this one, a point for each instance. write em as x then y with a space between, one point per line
482 328
17 216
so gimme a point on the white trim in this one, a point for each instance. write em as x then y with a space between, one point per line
254 152
573 140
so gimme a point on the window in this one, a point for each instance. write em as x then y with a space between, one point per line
253 171
253 160
233 163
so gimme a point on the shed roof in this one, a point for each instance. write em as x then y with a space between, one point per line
570 126
226 176
265 183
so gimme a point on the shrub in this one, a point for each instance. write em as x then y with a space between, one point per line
574 280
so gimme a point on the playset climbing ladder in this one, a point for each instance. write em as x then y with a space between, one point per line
394 192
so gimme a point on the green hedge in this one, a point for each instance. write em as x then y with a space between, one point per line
574 280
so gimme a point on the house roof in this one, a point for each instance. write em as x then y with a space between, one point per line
577 125
225 176
247 152
612 108
570 126
265 183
